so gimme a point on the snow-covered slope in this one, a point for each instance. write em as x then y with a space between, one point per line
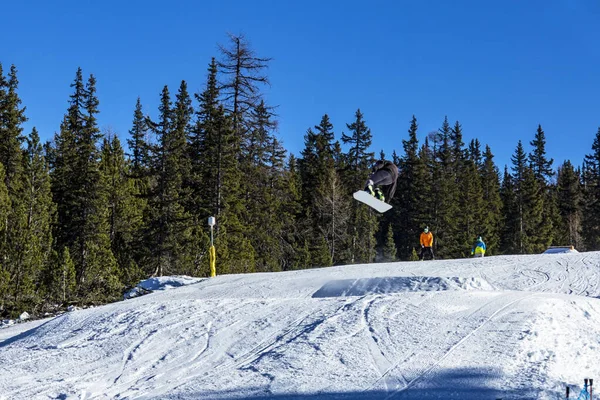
511 327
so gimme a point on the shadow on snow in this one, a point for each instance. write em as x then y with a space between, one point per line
463 384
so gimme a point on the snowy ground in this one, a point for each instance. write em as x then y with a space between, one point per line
510 327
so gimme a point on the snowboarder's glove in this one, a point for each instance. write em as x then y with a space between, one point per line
471 253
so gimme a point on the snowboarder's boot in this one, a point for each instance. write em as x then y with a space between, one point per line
369 189
379 194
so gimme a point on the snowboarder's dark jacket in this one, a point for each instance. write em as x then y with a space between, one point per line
393 170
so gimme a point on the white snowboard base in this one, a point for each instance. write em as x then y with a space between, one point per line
371 201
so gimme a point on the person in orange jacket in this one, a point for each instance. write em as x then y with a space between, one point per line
426 244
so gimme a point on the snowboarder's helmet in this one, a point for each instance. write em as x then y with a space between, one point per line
426 229
479 238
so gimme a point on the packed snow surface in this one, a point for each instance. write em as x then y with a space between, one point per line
510 327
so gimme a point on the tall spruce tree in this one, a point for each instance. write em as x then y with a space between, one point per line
234 249
138 145
591 222
569 205
4 213
31 241
207 145
492 203
292 241
510 221
125 209
168 222
409 198
470 201
321 187
519 169
389 249
12 117
535 236
332 206
445 210
262 163
540 164
543 172
363 223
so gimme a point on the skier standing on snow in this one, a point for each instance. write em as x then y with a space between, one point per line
384 173
426 240
479 248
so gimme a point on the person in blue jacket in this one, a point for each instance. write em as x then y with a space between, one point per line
479 248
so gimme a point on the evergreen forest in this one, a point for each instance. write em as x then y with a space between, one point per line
85 215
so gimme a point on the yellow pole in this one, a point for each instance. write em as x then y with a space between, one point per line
213 260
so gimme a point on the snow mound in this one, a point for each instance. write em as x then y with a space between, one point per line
160 283
560 250
399 284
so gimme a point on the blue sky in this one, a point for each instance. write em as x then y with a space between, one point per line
499 67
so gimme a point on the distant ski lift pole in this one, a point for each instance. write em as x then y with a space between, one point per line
212 254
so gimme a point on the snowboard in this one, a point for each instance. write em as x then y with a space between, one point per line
371 201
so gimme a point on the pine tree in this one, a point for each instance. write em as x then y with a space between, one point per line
363 223
322 191
5 208
389 250
492 203
542 167
295 253
134 189
591 222
263 162
31 242
60 279
510 222
470 201
138 144
12 116
445 221
78 191
168 223
569 205
332 206
427 188
243 72
543 172
519 168
207 145
124 209
535 238
408 202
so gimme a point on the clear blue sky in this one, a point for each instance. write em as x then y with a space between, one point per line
499 67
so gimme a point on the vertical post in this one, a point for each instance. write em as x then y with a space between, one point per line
212 254
567 392
591 388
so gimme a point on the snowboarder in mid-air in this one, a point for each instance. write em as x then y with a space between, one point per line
384 173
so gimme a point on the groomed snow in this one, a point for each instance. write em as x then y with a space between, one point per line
510 327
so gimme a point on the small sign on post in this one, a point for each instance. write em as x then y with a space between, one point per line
212 254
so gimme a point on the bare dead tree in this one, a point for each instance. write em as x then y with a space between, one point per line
243 76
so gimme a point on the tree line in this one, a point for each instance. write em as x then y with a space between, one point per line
83 216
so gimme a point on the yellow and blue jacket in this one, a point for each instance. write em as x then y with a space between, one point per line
479 248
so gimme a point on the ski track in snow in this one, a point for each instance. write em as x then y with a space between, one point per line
506 326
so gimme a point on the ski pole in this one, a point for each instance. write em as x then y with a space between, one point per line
585 386
591 386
